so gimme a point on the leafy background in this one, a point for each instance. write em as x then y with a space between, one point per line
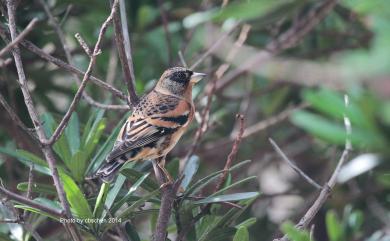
347 53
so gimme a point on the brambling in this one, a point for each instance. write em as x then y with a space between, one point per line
156 124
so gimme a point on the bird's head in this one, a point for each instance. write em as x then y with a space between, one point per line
177 80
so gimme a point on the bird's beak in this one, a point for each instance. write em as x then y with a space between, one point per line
196 77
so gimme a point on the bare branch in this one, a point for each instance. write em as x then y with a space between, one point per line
166 30
38 51
327 188
206 209
21 36
96 51
203 126
29 188
214 46
232 153
182 60
83 44
20 199
122 40
168 196
61 37
294 166
15 118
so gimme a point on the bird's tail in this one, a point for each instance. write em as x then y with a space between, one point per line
108 170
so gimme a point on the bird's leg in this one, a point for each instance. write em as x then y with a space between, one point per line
158 165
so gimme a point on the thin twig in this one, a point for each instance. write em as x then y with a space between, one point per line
203 126
15 118
294 166
206 209
47 151
29 188
5 62
232 153
166 30
122 40
168 196
42 54
259 126
61 37
19 38
182 60
327 188
96 51
117 226
20 199
83 44
214 46
33 233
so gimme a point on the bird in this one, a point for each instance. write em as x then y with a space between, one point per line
156 124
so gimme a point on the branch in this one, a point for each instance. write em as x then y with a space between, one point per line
232 153
168 196
259 126
214 46
21 36
38 51
96 51
61 37
20 199
166 30
294 166
206 209
15 118
47 151
327 188
122 40
203 126
29 187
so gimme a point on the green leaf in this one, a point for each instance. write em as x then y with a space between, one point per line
148 184
131 232
197 186
113 193
133 188
75 197
293 233
72 133
190 169
247 223
37 188
334 227
240 182
100 200
78 165
228 197
241 234
226 220
27 159
94 136
355 220
61 146
43 201
332 103
104 149
130 211
335 132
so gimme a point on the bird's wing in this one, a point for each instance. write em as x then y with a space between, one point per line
155 116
